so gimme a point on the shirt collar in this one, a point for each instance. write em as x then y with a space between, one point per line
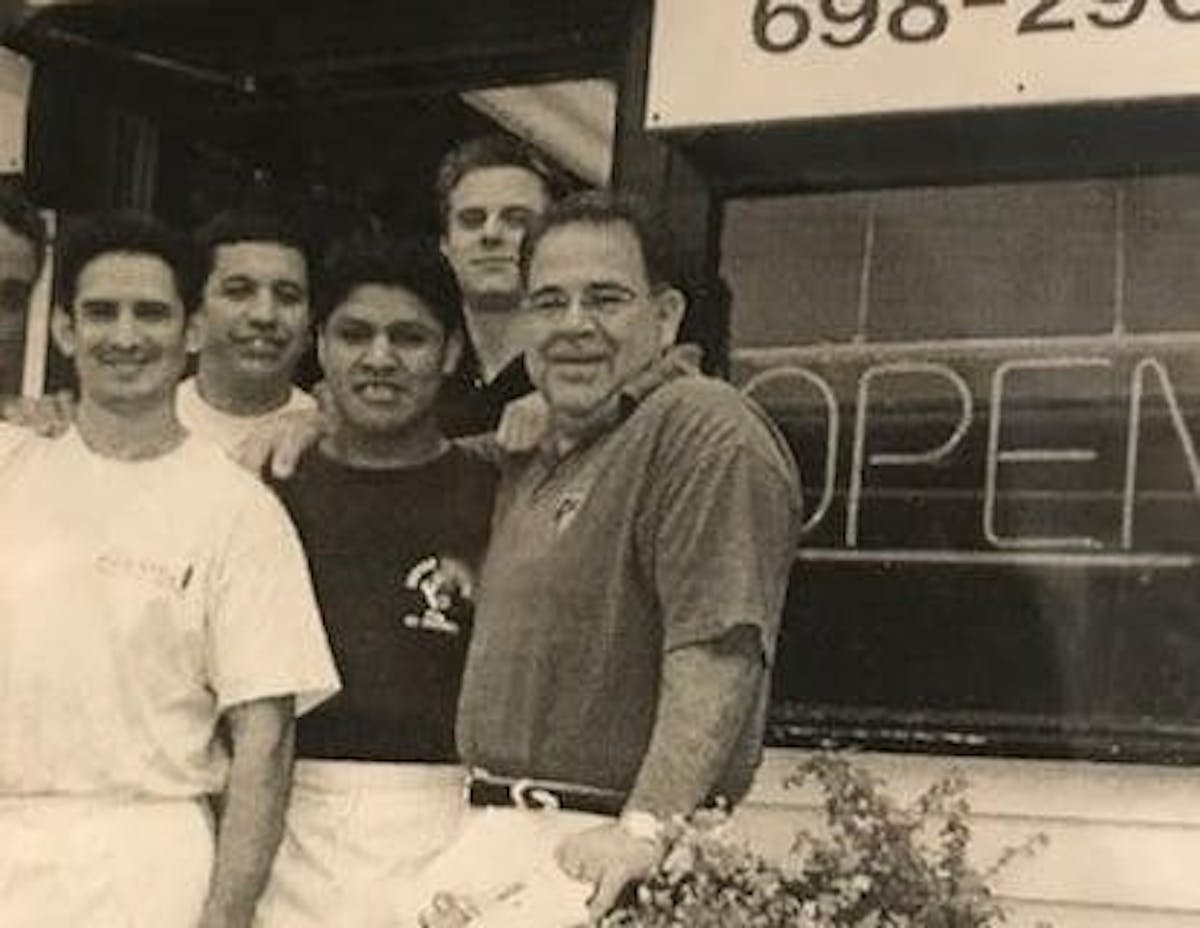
675 362
470 372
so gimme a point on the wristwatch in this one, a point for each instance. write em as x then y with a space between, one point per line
644 825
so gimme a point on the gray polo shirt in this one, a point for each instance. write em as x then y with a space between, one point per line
675 526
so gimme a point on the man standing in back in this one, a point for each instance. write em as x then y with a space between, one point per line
254 324
489 191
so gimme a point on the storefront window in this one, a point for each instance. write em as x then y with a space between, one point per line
993 392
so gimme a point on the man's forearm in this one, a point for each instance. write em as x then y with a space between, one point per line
251 818
707 692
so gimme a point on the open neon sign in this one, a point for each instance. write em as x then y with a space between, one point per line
850 395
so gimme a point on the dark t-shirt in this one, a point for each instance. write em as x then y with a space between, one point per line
394 555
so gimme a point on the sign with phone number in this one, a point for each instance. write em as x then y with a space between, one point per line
717 62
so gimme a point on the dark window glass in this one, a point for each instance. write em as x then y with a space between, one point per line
995 409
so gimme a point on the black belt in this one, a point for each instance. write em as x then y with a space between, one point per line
485 789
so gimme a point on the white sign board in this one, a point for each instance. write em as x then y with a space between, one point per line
719 62
15 75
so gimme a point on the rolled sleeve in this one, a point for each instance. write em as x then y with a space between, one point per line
727 528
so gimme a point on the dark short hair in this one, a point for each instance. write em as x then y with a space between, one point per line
601 207
234 226
487 151
125 232
22 217
415 265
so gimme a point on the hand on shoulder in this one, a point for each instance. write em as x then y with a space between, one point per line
47 415
280 443
523 423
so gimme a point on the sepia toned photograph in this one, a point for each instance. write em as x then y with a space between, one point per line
607 463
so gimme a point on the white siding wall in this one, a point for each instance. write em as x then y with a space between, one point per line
1124 840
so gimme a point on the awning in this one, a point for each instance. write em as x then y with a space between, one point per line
543 69
164 56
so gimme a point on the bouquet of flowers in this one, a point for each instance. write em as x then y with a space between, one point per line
877 864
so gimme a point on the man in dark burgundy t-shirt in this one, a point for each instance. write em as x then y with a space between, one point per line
394 519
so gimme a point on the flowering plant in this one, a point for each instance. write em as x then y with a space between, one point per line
878 864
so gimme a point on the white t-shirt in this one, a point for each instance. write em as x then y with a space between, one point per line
138 601
227 430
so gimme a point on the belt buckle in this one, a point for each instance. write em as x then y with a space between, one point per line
526 794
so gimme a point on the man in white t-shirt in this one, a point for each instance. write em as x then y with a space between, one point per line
254 323
158 631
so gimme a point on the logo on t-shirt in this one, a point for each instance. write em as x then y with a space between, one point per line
446 588
146 570
567 508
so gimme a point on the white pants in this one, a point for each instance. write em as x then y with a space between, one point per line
102 863
356 835
504 862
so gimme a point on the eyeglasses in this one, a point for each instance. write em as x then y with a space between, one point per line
601 300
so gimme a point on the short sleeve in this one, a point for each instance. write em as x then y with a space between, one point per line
265 635
727 522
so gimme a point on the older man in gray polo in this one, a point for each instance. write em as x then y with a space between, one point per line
629 606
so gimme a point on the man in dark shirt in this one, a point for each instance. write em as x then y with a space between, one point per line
394 520
489 190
